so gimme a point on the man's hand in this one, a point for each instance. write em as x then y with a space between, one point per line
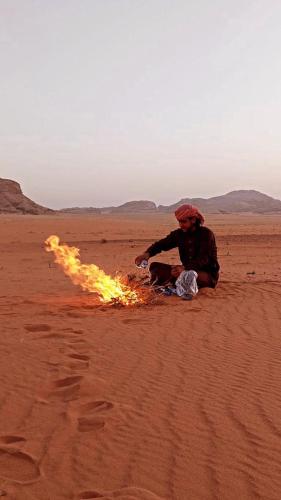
176 271
140 258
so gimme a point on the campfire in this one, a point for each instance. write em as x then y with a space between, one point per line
91 278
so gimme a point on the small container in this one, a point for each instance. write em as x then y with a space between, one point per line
143 264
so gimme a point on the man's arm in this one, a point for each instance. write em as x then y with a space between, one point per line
171 241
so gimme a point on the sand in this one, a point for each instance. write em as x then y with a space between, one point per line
176 400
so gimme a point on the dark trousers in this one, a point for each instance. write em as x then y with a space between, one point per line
161 274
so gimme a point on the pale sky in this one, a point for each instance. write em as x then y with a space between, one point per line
106 101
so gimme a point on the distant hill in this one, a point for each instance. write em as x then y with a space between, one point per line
135 206
240 201
235 201
80 210
129 207
13 201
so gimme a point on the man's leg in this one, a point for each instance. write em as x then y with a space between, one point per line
206 280
160 273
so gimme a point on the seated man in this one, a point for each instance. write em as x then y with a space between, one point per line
197 250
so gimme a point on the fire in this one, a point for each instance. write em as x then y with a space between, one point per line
90 277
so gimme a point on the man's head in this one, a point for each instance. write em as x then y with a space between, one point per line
188 217
187 224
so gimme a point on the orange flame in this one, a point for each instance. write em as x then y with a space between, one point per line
89 276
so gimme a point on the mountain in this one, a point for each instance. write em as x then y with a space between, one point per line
129 207
235 201
13 201
135 206
80 210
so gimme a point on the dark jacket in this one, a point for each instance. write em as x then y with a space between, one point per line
197 250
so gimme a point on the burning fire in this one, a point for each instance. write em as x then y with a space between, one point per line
90 277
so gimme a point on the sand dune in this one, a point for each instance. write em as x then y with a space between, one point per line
175 400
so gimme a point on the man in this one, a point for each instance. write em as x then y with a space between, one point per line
197 250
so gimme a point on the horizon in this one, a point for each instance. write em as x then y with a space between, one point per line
163 204
142 200
140 100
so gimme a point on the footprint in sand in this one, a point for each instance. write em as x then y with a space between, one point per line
97 407
72 330
52 335
68 381
121 494
67 388
80 357
17 466
87 424
92 494
76 343
93 415
11 439
38 328
78 361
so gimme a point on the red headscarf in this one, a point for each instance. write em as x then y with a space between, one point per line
185 211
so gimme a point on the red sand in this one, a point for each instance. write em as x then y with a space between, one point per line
175 400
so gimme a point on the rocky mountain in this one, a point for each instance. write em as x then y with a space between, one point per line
129 207
250 201
80 210
235 201
136 206
13 201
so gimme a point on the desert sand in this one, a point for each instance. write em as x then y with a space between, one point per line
173 400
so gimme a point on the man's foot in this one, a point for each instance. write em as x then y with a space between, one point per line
165 290
187 296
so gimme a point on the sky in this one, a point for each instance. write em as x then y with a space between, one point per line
107 101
